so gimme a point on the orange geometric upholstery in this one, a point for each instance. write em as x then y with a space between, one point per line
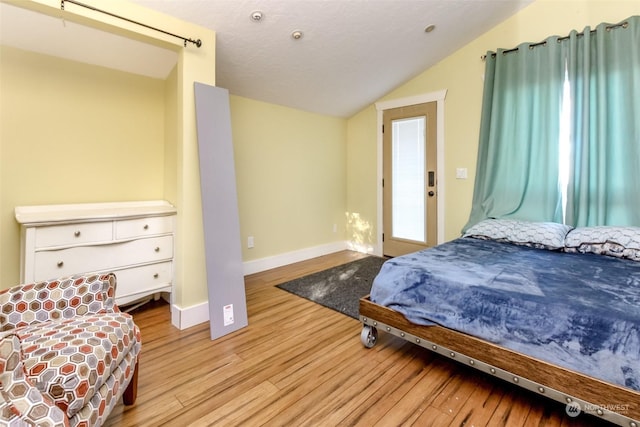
67 353
58 299
18 402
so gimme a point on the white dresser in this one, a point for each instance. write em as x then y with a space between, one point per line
132 239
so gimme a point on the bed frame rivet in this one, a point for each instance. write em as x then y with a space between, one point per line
569 400
600 412
364 319
388 329
418 340
492 370
633 424
452 354
541 389
516 379
375 323
434 347
471 362
402 334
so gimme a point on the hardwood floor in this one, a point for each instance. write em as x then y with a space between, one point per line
298 363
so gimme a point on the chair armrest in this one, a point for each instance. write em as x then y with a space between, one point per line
57 299
21 403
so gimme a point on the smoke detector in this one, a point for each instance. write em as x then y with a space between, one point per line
256 16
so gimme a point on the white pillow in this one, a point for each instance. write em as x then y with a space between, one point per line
542 235
620 242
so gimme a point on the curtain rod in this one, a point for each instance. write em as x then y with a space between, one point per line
197 42
542 43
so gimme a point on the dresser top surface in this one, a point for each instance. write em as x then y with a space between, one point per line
46 214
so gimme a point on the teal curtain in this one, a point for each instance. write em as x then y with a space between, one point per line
517 167
604 75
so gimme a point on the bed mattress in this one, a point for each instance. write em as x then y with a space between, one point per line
578 311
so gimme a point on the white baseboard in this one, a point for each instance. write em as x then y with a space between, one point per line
365 249
183 318
287 258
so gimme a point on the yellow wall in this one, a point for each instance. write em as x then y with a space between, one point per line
291 165
148 151
61 146
362 179
461 74
290 170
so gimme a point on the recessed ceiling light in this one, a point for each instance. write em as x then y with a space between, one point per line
429 28
256 16
296 35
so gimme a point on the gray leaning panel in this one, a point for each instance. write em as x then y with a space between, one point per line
225 276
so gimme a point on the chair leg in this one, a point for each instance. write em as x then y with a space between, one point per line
131 393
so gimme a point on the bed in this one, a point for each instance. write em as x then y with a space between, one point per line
552 309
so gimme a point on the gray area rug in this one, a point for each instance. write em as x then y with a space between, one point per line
339 288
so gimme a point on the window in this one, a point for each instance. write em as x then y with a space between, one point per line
560 135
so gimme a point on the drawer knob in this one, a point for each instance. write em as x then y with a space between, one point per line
77 233
155 276
60 264
157 249
146 226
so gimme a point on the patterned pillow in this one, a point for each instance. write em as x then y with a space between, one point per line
542 235
620 242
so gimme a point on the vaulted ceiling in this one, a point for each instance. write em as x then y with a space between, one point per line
349 53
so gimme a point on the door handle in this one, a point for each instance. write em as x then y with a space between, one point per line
431 193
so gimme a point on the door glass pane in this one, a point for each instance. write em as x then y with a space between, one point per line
408 179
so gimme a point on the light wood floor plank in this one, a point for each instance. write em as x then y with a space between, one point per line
300 364
384 399
250 402
478 409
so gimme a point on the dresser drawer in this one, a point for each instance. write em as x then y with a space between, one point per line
65 262
84 259
144 280
73 234
140 251
134 228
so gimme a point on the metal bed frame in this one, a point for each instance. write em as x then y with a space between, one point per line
580 392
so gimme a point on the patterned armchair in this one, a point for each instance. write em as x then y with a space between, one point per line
67 353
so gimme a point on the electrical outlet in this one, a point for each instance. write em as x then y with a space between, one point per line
250 243
461 173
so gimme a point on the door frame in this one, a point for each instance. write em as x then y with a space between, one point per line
381 106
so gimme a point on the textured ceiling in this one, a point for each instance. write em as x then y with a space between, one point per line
352 52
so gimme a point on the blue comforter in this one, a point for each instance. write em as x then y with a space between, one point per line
579 311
